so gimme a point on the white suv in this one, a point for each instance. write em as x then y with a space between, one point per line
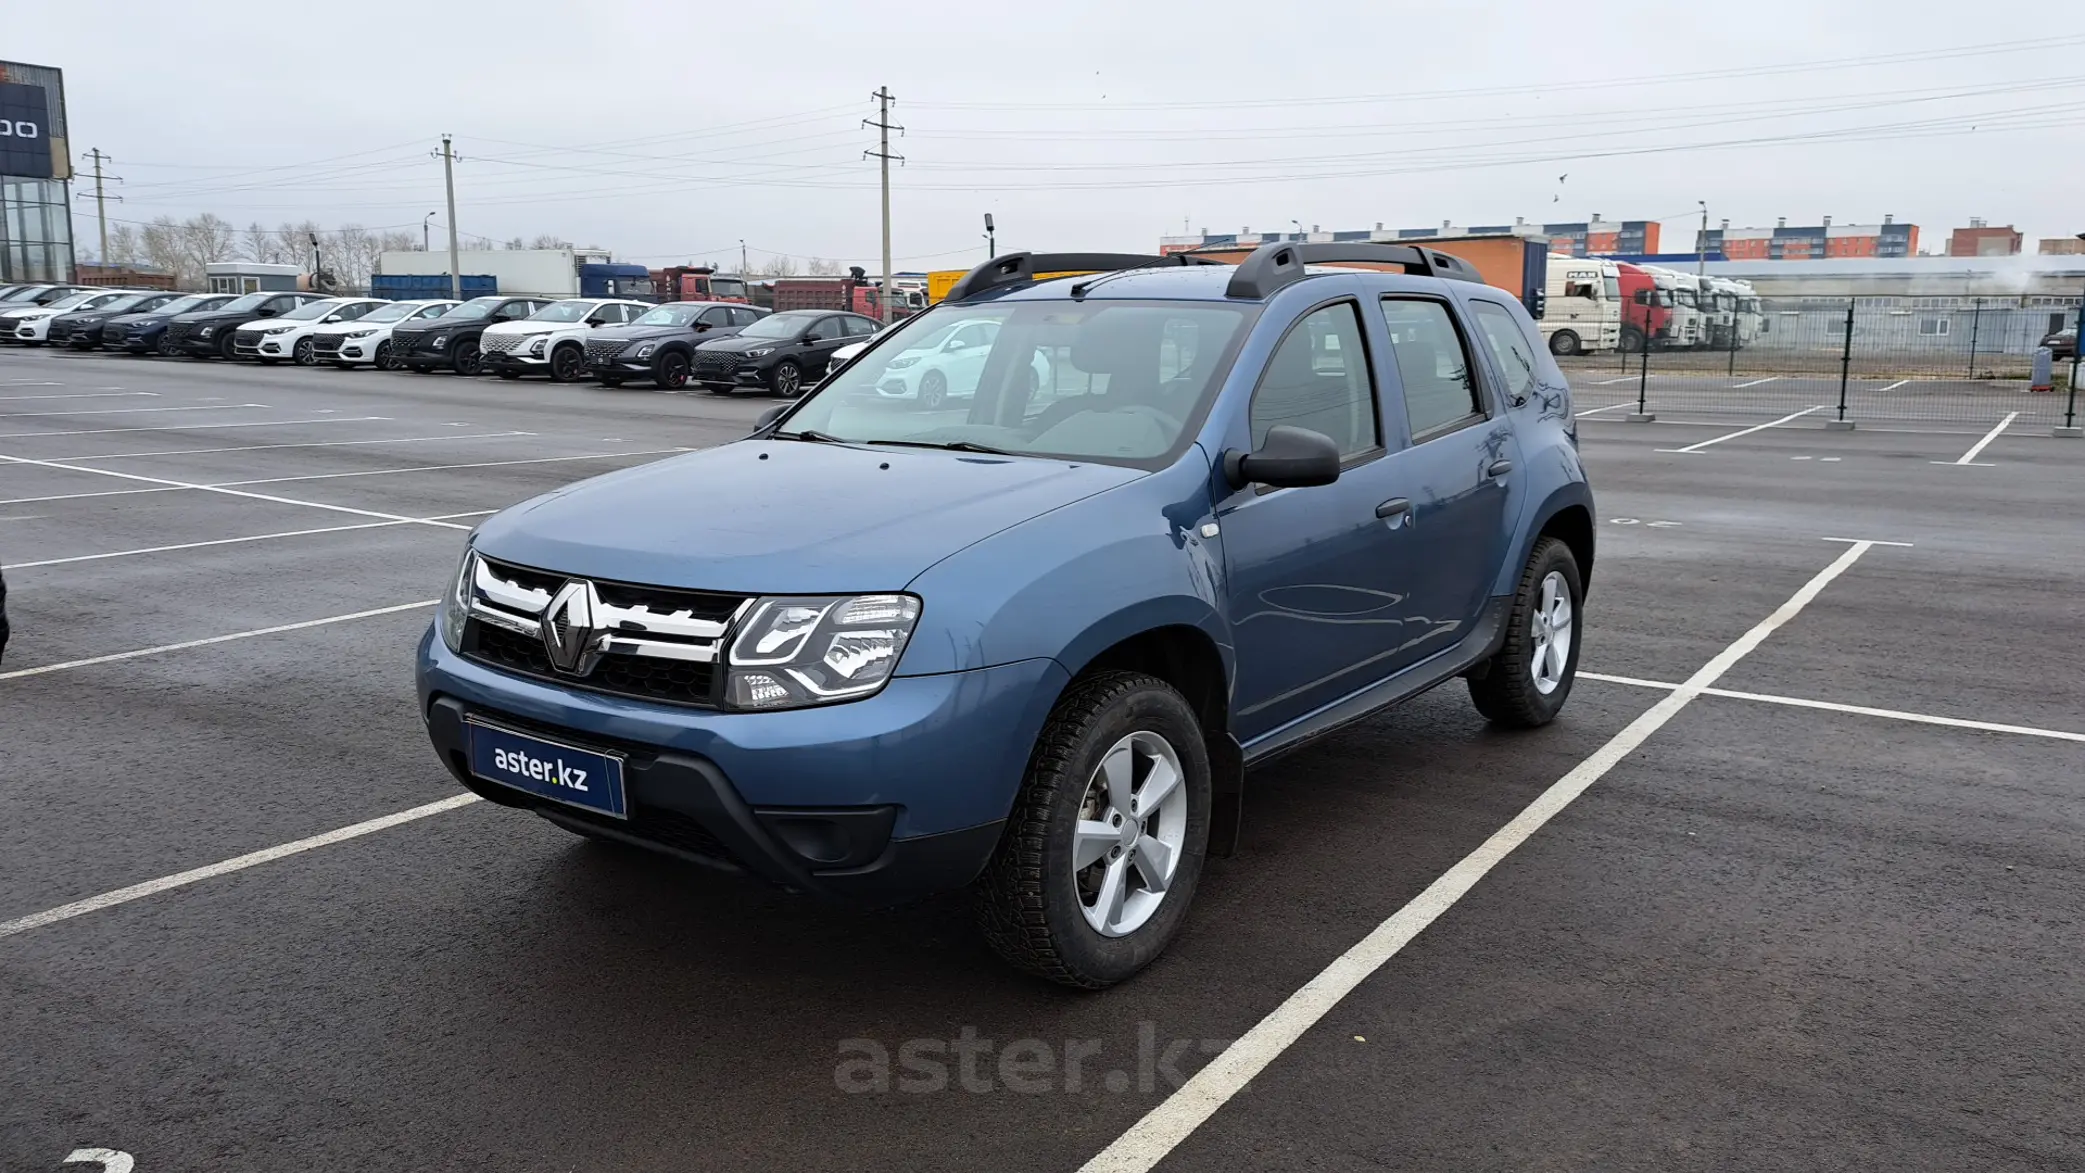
367 339
31 325
289 337
552 341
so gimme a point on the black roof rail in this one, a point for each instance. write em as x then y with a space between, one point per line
1272 266
1017 268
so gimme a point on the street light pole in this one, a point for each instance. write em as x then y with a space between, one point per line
991 244
1701 246
426 241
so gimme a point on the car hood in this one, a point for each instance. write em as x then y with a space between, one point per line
742 343
771 516
651 333
206 317
529 329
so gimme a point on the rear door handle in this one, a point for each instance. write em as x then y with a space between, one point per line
1499 468
1394 507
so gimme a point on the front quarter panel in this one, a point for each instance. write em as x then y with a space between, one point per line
1070 583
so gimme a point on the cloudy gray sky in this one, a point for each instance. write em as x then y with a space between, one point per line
670 131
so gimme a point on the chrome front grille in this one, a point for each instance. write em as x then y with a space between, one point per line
604 350
60 331
491 343
178 332
716 364
652 643
326 345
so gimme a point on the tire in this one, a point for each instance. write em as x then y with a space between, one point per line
467 359
508 374
1632 340
227 349
302 353
670 372
163 345
787 379
383 359
611 381
1031 901
1510 688
1563 342
567 364
933 389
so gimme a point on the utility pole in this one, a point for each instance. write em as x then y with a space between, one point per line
449 181
745 267
884 126
1701 246
991 239
101 213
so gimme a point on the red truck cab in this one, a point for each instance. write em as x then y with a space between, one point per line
1644 317
699 283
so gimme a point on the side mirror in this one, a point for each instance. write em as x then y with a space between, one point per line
768 417
332 318
265 313
1290 458
702 327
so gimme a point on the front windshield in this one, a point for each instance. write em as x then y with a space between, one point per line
563 311
670 315
69 301
727 287
123 303
1614 287
311 311
1684 296
181 305
25 293
389 313
473 309
1114 381
775 326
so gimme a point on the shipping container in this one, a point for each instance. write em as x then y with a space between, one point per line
429 286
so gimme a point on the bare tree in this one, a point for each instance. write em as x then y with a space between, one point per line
821 267
515 243
547 240
200 240
160 242
124 248
779 266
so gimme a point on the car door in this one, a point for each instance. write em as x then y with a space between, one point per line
1316 583
1452 474
824 337
709 322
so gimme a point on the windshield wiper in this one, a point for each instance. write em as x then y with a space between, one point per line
950 445
811 435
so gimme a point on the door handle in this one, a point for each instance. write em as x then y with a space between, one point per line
1499 468
1394 507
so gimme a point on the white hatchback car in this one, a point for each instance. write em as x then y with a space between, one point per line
272 340
367 339
946 365
552 341
31 325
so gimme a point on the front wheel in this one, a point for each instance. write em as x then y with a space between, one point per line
567 363
933 388
1105 844
384 360
1526 683
671 371
787 379
1632 340
468 359
164 347
303 354
226 348
1563 342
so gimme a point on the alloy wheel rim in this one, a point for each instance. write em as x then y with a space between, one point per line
1131 830
1550 630
785 380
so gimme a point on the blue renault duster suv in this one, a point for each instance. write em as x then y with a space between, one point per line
1028 644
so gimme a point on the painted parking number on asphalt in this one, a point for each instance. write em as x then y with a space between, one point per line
110 1160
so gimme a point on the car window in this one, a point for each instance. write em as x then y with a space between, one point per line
434 311
863 327
1319 379
826 330
716 317
745 317
1510 348
517 309
1431 363
283 304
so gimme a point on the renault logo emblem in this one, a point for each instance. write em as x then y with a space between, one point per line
568 629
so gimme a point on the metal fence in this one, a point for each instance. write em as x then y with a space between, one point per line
1936 359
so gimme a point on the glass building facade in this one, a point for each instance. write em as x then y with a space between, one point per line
36 210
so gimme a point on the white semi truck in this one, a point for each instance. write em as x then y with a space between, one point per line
1582 305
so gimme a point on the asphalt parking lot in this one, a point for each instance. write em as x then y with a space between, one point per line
1794 883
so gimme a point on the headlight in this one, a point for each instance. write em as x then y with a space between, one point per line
645 351
206 331
541 341
456 604
758 351
278 329
797 652
438 341
359 333
899 364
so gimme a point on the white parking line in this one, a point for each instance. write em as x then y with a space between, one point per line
323 476
294 533
1609 407
12 415
45 669
1892 386
1856 710
1176 1117
226 867
1756 382
1610 382
1746 431
131 476
452 437
1969 457
117 394
194 427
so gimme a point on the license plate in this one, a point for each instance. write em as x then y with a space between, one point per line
548 769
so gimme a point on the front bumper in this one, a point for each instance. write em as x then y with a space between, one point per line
627 368
247 345
195 343
508 360
885 799
32 331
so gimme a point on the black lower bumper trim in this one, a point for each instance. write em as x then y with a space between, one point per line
682 805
